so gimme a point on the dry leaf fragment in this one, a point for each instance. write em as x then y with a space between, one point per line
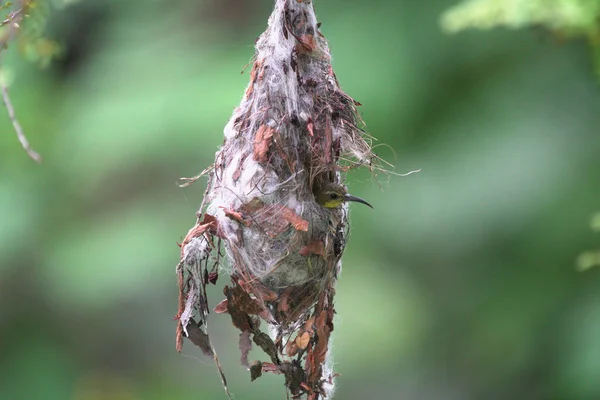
291 348
255 67
256 370
263 341
314 247
297 222
262 141
208 224
240 300
302 340
245 347
199 338
306 44
310 126
274 219
235 215
239 318
221 308
212 277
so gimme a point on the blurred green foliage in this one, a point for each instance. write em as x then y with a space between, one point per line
565 18
591 259
24 21
459 285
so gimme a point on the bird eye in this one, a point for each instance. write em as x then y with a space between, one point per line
333 196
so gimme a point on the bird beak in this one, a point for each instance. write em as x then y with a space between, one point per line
356 199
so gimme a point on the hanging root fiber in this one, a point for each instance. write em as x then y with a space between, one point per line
266 216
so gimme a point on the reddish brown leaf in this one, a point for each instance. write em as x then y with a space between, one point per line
315 247
323 331
291 348
274 219
239 318
319 350
259 290
261 75
270 367
309 325
262 141
310 126
293 218
234 215
221 308
237 174
283 302
255 67
250 88
306 44
212 277
302 340
208 225
242 301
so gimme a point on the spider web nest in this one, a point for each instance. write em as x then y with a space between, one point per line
295 130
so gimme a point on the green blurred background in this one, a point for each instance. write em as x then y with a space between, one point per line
461 284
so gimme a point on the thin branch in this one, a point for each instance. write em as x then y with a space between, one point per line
13 19
11 114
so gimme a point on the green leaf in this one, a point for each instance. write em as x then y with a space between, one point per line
576 16
588 260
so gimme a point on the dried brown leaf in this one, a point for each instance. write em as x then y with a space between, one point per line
221 308
255 68
235 215
270 367
297 222
274 219
306 44
302 340
310 126
244 302
316 355
208 225
295 376
262 142
212 277
245 347
239 318
263 341
291 349
256 370
315 247
199 338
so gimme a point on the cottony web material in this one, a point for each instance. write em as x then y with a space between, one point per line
294 132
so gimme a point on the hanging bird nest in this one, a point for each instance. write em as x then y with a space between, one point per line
294 132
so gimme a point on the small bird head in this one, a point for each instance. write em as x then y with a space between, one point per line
333 196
